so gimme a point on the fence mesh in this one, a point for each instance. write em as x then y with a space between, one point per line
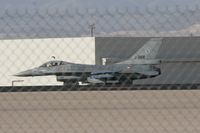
48 57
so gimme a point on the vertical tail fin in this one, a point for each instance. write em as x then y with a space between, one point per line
148 51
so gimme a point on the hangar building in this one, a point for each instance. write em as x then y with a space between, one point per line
180 57
22 54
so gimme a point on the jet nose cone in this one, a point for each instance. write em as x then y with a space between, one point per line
24 73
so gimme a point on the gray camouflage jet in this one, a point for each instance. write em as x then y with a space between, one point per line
140 65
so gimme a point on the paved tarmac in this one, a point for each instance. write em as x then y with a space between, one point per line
101 87
155 111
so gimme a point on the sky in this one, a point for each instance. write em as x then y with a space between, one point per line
47 18
100 4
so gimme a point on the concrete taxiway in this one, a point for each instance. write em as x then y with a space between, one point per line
144 111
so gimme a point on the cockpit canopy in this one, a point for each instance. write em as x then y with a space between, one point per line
54 63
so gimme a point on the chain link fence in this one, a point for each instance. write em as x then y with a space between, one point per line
47 54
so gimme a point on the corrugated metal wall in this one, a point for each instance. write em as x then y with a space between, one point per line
180 56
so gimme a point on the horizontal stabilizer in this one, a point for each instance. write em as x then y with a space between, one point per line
146 62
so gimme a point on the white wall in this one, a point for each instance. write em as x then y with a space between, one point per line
23 54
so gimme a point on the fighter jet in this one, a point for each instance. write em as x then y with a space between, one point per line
140 65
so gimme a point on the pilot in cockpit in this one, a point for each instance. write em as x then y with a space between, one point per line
53 63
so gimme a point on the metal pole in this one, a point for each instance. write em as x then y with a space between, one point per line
14 81
92 28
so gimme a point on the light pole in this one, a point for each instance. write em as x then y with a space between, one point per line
92 28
